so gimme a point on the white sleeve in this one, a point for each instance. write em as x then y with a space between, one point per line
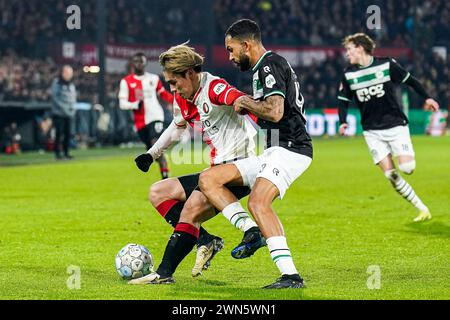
171 135
124 104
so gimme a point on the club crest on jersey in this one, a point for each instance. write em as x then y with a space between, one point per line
270 81
219 88
205 107
133 84
379 74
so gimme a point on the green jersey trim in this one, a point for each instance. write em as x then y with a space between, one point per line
259 60
273 93
406 77
343 98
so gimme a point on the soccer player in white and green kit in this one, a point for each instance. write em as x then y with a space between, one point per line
371 81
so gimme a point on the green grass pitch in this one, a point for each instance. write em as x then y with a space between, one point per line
340 217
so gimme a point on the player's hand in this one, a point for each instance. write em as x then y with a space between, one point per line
144 161
342 129
432 104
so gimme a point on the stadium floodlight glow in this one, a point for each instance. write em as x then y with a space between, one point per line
91 69
95 69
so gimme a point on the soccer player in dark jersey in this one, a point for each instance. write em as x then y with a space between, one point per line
370 81
279 106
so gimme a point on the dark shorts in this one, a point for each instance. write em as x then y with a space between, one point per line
151 132
190 184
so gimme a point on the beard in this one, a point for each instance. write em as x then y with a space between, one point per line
244 62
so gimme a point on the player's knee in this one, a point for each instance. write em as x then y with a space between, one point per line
407 167
205 181
157 193
195 207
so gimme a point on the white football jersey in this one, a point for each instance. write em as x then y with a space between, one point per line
229 135
145 88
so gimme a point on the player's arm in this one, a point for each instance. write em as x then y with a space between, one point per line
163 93
171 135
124 104
222 93
344 98
273 75
271 109
400 75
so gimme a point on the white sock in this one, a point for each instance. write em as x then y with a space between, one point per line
405 190
281 255
238 217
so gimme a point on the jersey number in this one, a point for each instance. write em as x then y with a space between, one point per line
299 100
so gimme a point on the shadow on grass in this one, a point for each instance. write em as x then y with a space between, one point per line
214 290
430 228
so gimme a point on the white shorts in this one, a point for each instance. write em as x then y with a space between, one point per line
278 165
395 141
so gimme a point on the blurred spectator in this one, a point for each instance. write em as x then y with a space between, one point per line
437 123
63 110
10 142
43 134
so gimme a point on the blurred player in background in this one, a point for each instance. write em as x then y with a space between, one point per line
200 98
436 123
371 82
138 92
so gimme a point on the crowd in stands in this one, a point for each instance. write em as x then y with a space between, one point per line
25 79
34 23
302 22
326 22
26 71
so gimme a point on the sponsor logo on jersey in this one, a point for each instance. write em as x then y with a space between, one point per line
205 107
365 94
266 69
270 81
219 88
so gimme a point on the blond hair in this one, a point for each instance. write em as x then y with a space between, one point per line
360 39
179 59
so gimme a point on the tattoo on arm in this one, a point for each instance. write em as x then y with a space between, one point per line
270 109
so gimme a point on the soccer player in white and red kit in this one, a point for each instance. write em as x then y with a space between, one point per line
200 98
138 92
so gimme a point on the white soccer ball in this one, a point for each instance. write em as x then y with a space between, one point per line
134 261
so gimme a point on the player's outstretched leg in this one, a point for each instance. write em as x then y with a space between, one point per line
168 197
212 183
260 205
407 192
163 167
181 242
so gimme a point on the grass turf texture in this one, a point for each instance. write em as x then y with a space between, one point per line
340 217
